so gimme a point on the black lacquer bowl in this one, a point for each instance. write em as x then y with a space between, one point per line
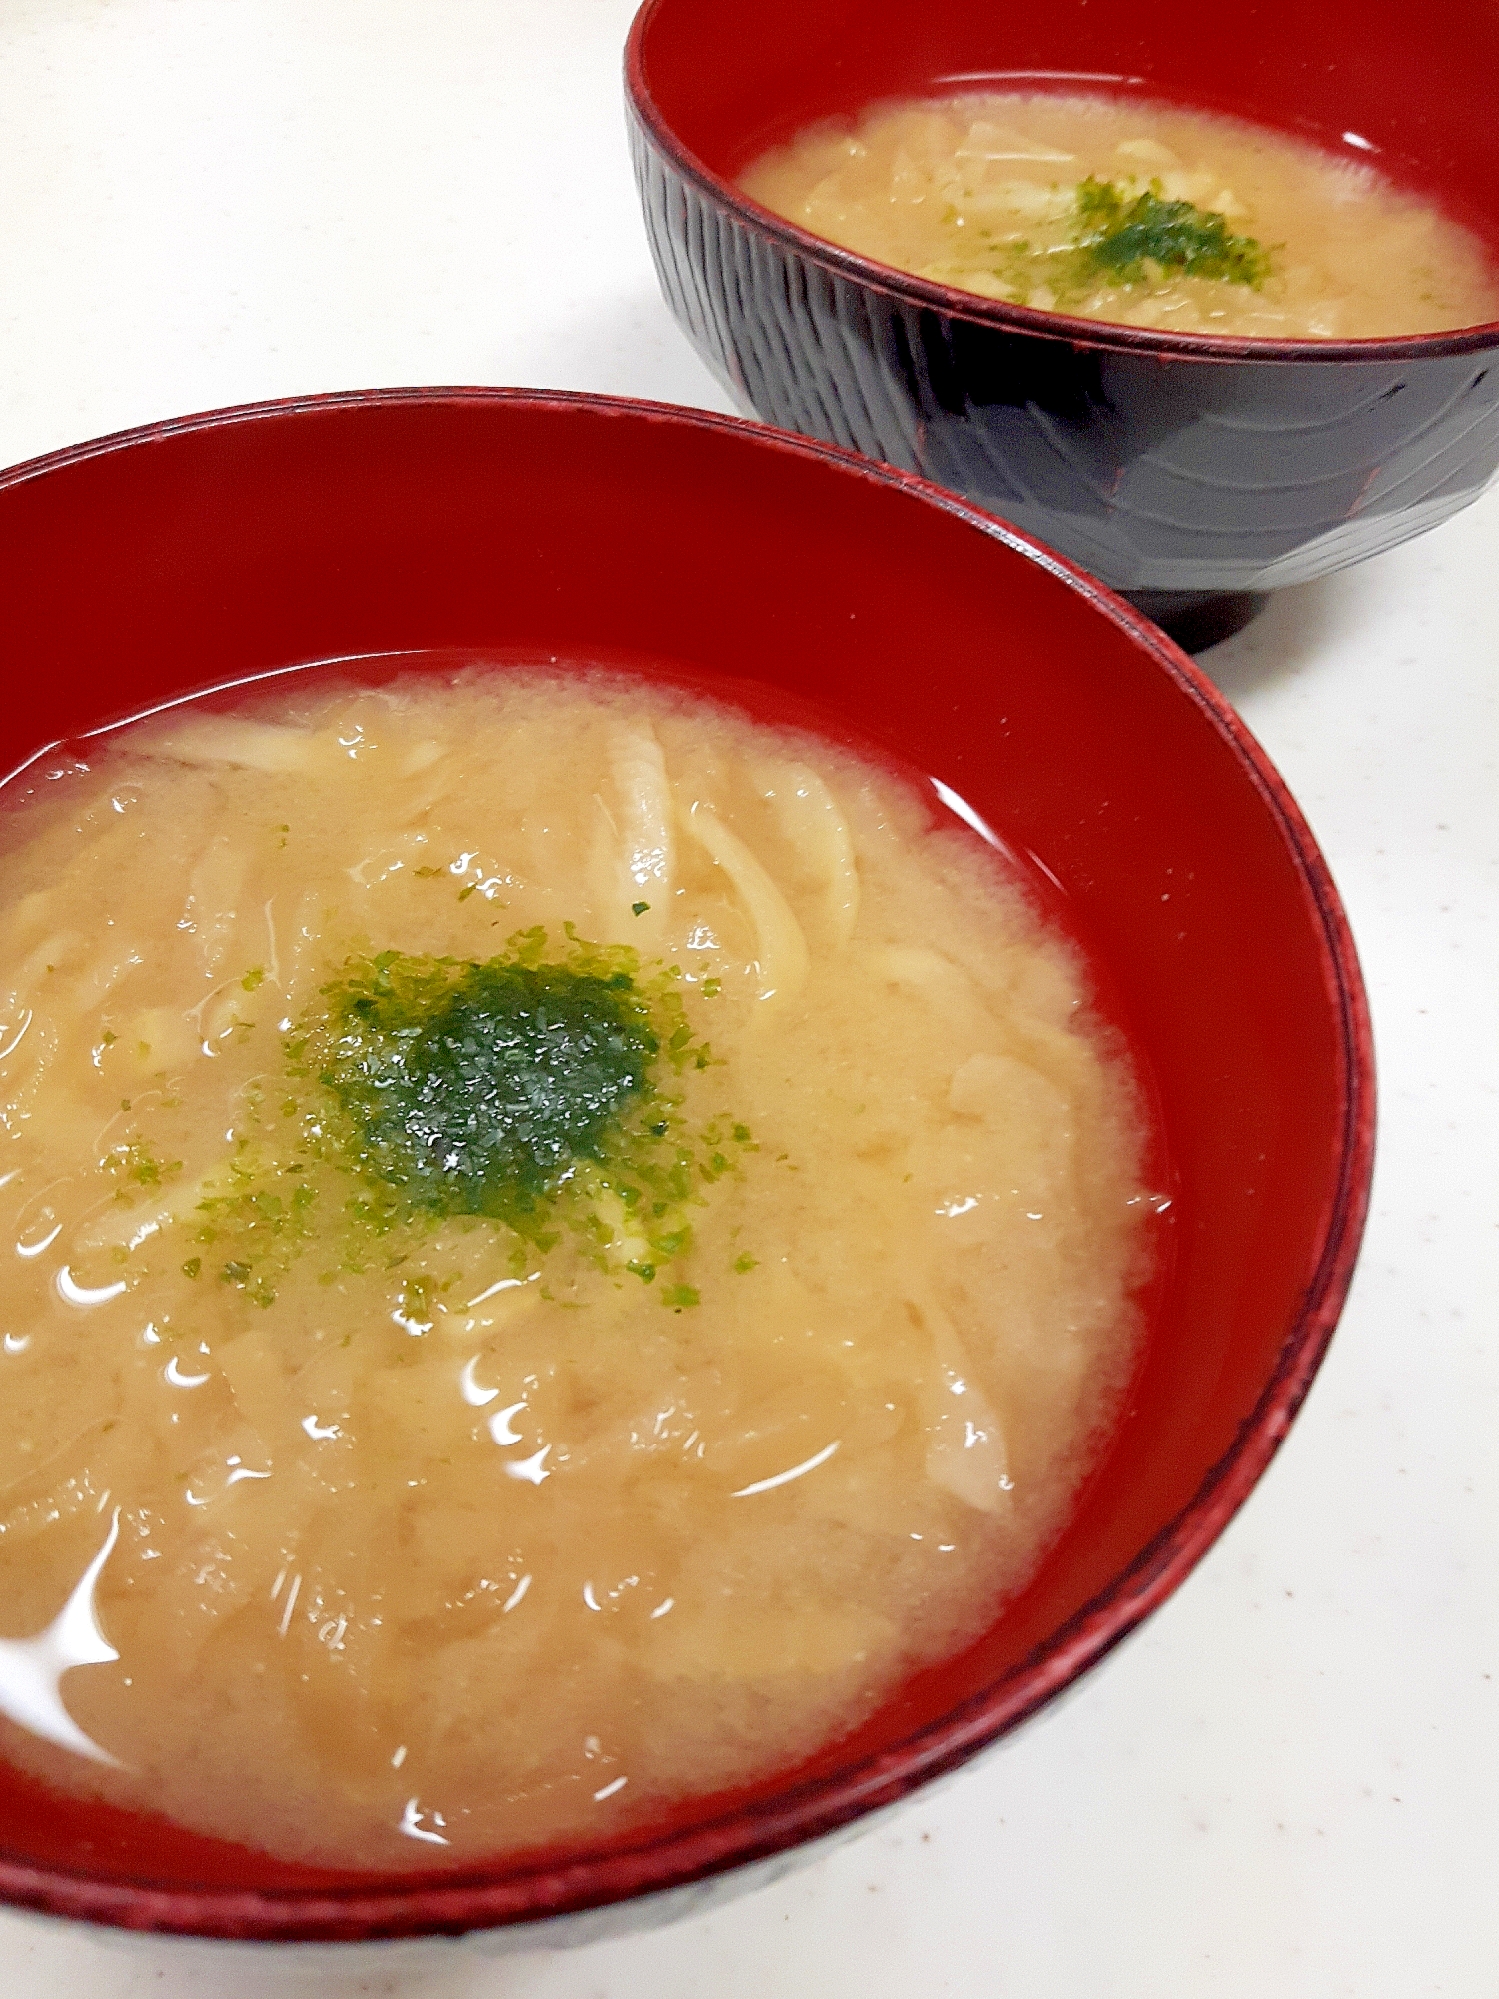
1192 473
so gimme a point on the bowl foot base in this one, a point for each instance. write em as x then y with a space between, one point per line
1197 619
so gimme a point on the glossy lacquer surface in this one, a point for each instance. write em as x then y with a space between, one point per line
1179 469
582 529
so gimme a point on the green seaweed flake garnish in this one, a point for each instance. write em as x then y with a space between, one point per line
268 1217
472 1088
529 1089
1109 235
1120 235
136 1162
540 1093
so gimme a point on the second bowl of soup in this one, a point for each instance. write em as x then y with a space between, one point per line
1211 308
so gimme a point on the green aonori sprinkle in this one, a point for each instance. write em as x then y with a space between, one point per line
473 1088
534 1089
136 1162
1116 234
541 1090
1119 234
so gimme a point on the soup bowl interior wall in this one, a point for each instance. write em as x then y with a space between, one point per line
581 530
1182 470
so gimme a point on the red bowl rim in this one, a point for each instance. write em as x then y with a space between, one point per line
890 283
482 1897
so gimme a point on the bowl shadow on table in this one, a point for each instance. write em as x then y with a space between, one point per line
1296 627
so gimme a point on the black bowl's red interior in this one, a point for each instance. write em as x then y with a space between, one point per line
1414 83
357 525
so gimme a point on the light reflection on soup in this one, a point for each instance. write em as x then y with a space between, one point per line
1133 212
562 1241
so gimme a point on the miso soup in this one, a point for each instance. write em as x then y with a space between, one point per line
561 1241
1136 212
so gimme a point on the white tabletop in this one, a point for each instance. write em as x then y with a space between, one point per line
1286 1785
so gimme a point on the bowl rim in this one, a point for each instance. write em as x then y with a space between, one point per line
906 289
479 1896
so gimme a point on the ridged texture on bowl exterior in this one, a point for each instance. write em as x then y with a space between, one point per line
1180 474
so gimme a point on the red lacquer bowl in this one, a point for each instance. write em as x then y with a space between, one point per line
145 565
1193 473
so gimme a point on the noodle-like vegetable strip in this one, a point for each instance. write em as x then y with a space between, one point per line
813 824
965 1451
646 827
782 949
222 739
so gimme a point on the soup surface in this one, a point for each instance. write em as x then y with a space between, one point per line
1134 212
561 1240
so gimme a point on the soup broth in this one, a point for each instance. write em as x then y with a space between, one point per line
562 1240
1133 212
